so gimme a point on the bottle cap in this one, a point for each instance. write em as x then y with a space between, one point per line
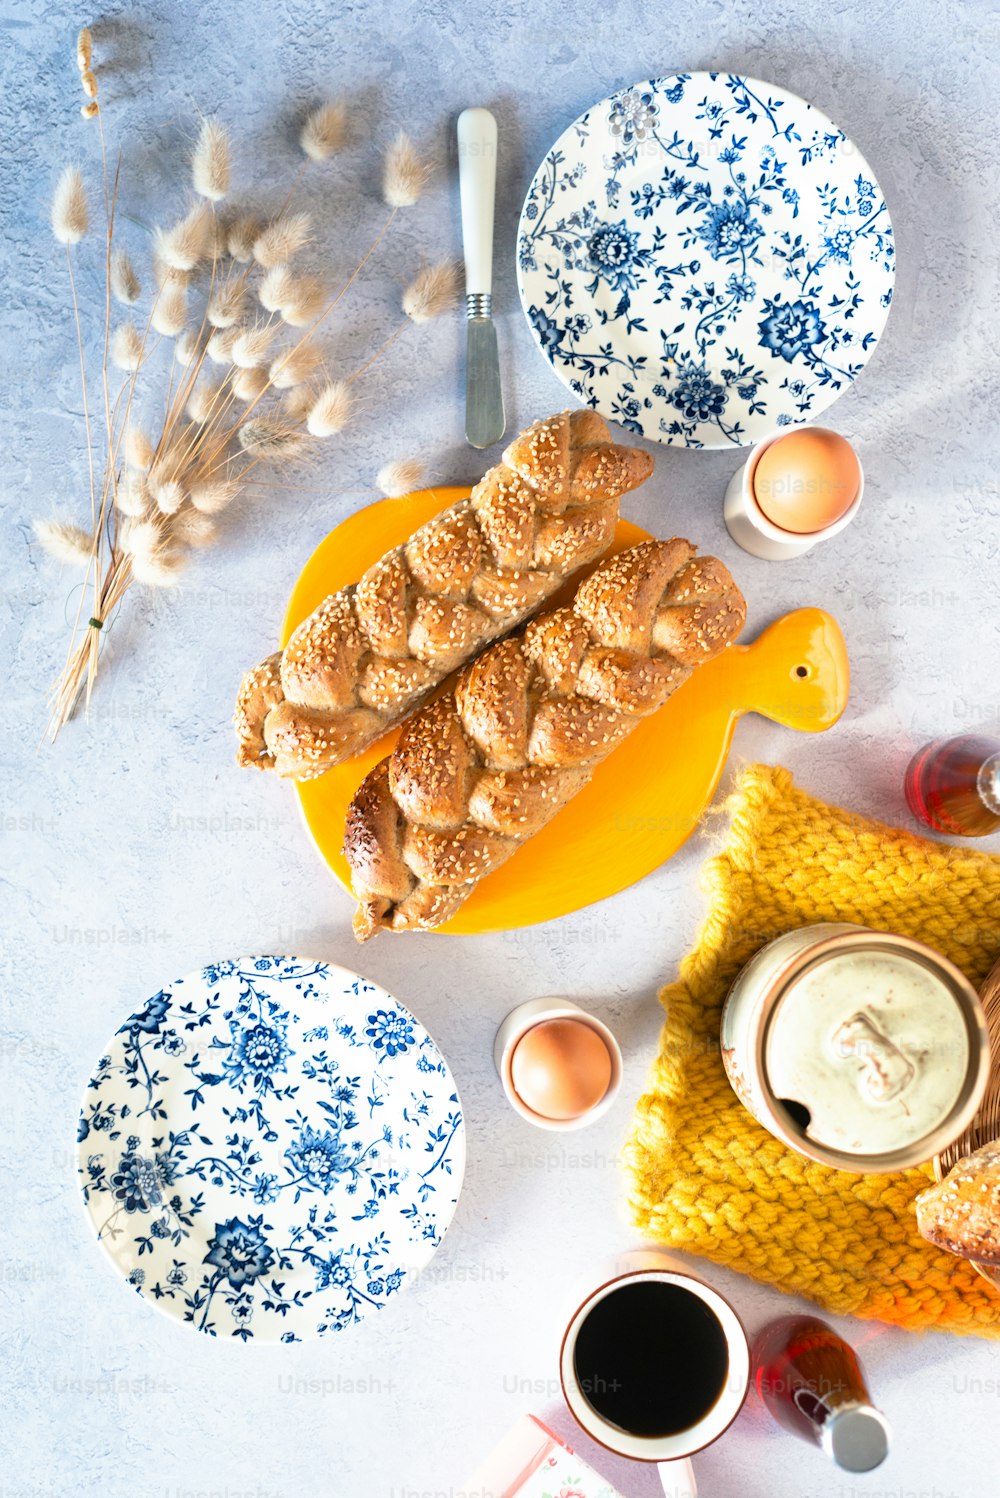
857 1438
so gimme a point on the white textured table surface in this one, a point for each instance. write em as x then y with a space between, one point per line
134 850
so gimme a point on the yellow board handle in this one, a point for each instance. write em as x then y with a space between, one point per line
644 801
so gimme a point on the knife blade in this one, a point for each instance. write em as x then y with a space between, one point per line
477 162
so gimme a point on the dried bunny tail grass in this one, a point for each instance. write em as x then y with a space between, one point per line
169 494
158 569
210 170
219 347
331 410
269 437
126 347
90 110
307 300
132 496
276 288
209 496
298 403
141 538
281 238
88 81
69 207
186 244
404 175
324 131
192 528
249 384
241 236
67 543
227 302
187 349
170 311
251 345
433 290
84 49
296 366
169 275
202 402
125 285
400 477
138 449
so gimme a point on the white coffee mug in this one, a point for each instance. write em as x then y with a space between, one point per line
671 1453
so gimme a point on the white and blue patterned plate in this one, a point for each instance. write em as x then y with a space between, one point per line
271 1149
704 258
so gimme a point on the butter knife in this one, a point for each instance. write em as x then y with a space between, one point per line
477 170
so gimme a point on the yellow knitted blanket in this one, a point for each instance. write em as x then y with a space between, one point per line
705 1176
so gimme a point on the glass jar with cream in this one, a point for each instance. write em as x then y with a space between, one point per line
860 1049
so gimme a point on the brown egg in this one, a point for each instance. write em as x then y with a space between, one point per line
560 1068
805 481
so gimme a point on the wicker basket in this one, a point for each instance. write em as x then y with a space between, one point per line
985 1127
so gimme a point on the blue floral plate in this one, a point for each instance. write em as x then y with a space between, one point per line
704 258
271 1149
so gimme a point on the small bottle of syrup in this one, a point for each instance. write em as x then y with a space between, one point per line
811 1382
953 785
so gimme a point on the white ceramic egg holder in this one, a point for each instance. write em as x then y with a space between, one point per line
750 527
524 1018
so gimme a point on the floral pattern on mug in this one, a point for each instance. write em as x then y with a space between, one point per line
271 1148
704 258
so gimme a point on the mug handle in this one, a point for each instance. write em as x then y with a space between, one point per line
677 1478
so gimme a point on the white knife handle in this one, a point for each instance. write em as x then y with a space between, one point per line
477 174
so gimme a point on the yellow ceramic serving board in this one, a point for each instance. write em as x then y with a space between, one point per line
644 801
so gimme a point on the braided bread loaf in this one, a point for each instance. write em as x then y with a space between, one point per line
479 770
370 654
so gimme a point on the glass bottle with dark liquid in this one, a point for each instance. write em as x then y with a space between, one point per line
811 1382
953 785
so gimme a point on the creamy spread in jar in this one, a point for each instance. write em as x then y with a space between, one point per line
861 1049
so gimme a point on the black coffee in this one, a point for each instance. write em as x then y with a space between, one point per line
651 1358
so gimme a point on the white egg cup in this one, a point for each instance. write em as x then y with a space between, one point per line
750 527
524 1018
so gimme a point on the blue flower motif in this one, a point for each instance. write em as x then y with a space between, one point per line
136 1278
265 1189
578 325
151 1018
550 334
135 1184
394 1280
240 1250
743 288
333 1271
790 328
613 250
674 95
728 230
173 1043
259 1051
697 396
319 1157
839 245
390 1032
160 1228
633 117
177 1276
376 1287
783 419
82 1129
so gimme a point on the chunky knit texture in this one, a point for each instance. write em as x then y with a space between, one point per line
705 1176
